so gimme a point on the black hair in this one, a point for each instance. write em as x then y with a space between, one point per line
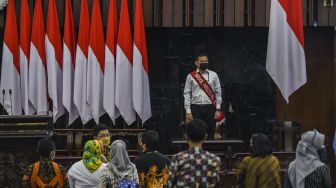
151 139
196 130
45 145
99 127
261 145
200 54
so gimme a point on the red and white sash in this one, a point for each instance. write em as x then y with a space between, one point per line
205 86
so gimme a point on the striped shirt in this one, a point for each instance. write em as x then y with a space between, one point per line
261 172
319 178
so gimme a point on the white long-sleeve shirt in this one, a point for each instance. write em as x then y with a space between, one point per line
193 94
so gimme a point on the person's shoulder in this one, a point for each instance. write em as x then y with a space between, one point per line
212 156
211 72
180 155
163 156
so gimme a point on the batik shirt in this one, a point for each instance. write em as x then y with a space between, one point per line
46 173
194 168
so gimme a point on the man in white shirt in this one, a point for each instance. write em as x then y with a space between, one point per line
197 102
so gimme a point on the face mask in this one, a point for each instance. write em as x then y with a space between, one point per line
106 141
203 66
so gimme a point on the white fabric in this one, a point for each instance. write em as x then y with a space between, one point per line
124 87
68 85
285 61
26 105
80 177
55 80
95 86
10 79
141 94
109 85
37 82
80 87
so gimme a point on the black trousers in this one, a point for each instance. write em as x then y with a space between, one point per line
205 113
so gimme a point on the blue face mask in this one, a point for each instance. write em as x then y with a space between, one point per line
203 66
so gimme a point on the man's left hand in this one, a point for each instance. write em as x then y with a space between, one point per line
217 114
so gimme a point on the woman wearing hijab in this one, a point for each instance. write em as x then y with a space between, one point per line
86 173
120 169
261 169
307 170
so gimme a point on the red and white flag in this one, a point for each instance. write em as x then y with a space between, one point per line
286 62
81 64
10 67
53 48
95 77
69 56
141 94
124 69
37 63
110 54
24 57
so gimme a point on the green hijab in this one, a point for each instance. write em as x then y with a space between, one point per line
91 155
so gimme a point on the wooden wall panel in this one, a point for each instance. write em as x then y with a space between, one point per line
76 4
304 12
229 13
260 13
239 13
148 12
167 13
105 8
209 13
60 4
219 8
198 13
178 13
323 15
332 15
268 11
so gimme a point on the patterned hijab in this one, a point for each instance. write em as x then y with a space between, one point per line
120 164
91 155
307 159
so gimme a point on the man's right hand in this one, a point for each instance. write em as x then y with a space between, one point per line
189 117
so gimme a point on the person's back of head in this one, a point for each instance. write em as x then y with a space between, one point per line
151 140
45 147
196 130
261 145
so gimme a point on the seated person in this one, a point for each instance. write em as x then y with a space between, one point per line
101 132
307 170
261 169
86 172
194 167
45 172
152 166
120 172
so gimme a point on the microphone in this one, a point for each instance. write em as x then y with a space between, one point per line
10 98
3 101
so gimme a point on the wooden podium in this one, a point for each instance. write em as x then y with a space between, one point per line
18 139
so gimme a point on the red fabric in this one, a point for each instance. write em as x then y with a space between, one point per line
97 43
293 9
38 32
11 35
25 28
112 28
69 31
53 32
139 34
125 37
84 28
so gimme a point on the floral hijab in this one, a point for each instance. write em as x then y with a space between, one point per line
91 155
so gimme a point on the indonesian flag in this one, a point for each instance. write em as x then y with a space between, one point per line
124 67
95 77
141 95
24 56
81 64
10 70
53 48
69 55
110 54
286 62
37 64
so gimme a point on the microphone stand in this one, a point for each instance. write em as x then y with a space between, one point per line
3 101
10 98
